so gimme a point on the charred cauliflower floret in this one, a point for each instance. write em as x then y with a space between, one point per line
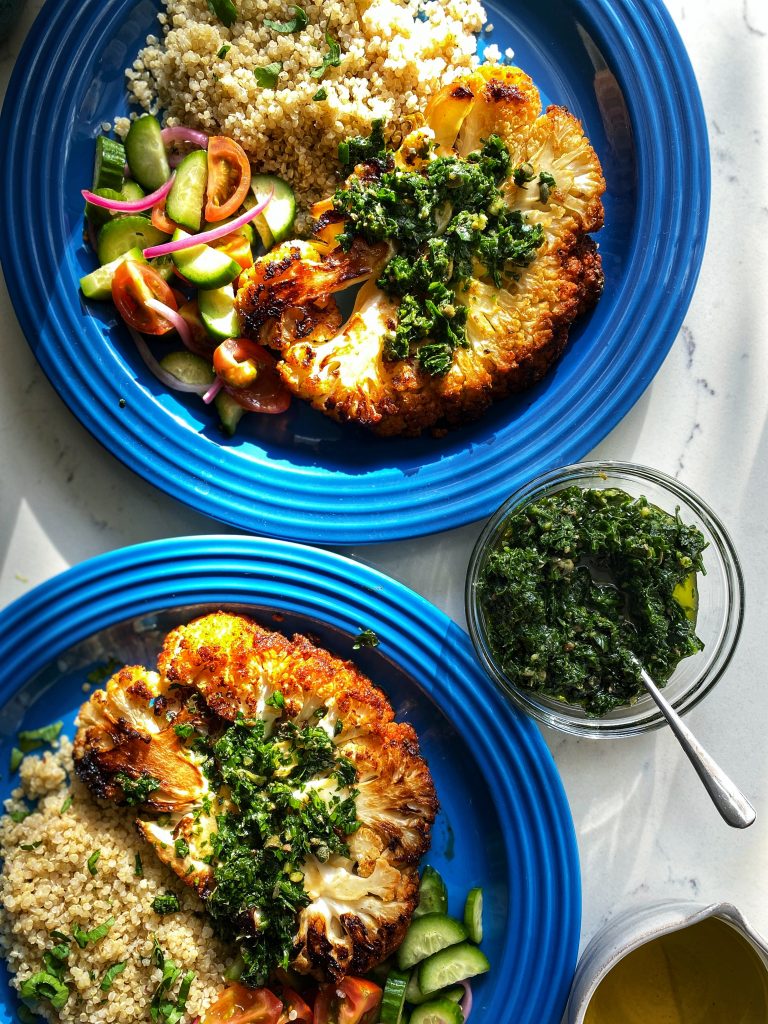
472 243
271 777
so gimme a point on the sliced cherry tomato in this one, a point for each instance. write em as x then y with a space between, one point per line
349 1001
238 1004
250 377
202 343
229 178
295 1010
238 248
133 283
160 218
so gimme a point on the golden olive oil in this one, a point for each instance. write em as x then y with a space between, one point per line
704 974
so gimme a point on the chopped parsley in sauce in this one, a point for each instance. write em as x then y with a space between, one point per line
583 582
280 813
448 221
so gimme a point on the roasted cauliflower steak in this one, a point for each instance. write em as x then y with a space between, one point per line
514 333
138 742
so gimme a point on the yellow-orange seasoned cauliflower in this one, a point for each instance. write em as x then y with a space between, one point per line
272 777
515 315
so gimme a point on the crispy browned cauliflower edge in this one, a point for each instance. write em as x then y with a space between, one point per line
515 334
361 905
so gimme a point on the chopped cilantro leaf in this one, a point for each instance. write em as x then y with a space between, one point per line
181 846
276 700
365 638
332 59
321 94
101 672
296 23
166 903
224 10
66 805
184 730
32 739
31 846
93 861
267 76
45 987
224 50
18 815
138 867
110 975
17 756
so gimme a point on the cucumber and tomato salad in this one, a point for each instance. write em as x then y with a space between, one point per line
138 205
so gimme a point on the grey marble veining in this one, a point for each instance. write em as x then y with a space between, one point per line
644 825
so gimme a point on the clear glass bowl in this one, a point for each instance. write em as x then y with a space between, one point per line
721 599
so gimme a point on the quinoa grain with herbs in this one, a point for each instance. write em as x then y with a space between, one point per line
391 58
45 885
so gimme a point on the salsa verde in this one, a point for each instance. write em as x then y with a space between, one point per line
580 584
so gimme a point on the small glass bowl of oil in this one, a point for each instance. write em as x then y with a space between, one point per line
673 963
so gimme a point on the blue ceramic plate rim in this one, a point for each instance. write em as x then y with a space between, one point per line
272 496
414 634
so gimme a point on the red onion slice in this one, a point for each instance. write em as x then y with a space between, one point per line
205 237
168 313
212 391
171 382
180 133
130 205
466 1002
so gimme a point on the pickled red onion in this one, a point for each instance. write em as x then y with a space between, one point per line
173 317
180 133
166 248
163 375
130 205
466 1001
212 391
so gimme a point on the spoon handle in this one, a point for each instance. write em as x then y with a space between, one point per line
726 795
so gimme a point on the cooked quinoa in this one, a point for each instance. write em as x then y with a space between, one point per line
394 56
50 887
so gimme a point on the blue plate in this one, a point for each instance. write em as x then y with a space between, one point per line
618 64
504 822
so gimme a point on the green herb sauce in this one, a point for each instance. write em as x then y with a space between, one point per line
448 221
580 584
277 821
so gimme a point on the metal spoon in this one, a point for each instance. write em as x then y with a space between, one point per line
726 795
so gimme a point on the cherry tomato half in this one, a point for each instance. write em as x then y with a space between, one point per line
133 283
238 1004
160 218
229 178
237 247
250 377
349 1001
202 343
295 1010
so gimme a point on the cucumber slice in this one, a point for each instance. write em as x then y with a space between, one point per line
145 152
127 232
473 915
109 164
451 965
98 284
276 222
428 935
438 1011
202 265
99 216
188 368
433 895
230 412
218 313
184 204
393 1000
415 996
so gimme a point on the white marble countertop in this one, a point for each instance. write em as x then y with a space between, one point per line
645 826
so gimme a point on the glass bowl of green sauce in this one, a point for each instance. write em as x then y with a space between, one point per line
590 569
